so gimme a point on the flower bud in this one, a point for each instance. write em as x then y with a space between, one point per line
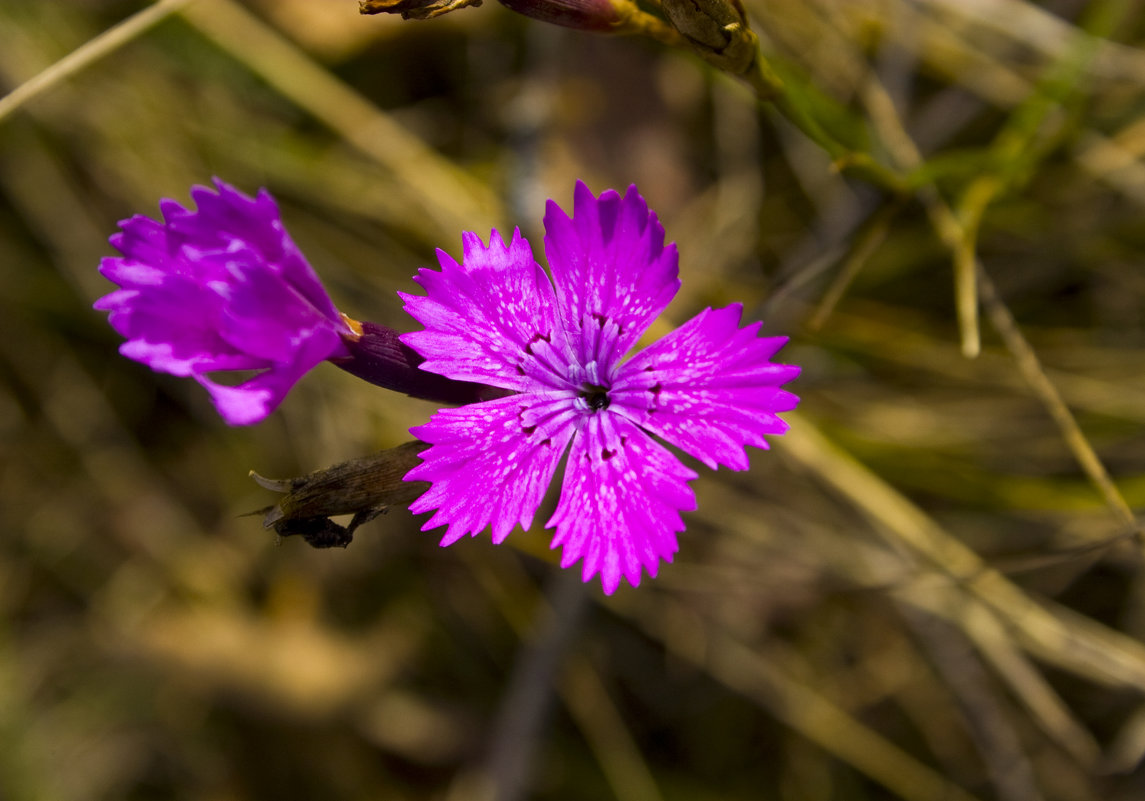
584 15
717 30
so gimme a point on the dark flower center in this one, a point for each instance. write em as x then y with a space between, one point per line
595 396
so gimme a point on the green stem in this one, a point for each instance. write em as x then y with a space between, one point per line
770 88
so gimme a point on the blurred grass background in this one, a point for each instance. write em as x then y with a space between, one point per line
925 591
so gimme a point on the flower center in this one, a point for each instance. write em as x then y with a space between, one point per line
595 396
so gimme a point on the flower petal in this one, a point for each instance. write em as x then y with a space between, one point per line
171 325
254 399
709 388
230 216
491 319
265 316
149 246
620 502
490 463
609 263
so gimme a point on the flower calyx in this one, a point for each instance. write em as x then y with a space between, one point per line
365 488
717 30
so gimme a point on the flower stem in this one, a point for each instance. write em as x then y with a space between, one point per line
377 355
770 88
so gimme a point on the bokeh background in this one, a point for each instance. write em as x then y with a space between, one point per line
929 589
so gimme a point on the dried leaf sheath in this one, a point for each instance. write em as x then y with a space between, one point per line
364 487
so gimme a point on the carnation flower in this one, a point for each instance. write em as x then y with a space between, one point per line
225 288
708 388
221 288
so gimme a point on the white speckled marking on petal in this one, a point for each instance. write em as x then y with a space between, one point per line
490 463
609 263
620 502
490 319
709 388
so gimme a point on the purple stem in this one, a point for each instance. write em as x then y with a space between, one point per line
378 356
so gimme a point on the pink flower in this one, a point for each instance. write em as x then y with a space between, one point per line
218 289
709 388
225 288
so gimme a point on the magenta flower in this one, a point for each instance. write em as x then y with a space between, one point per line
708 388
225 288
222 288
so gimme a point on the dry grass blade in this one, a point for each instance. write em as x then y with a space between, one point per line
993 730
1031 369
1042 29
958 238
1066 639
760 676
158 644
616 748
1116 160
969 273
446 194
996 644
86 55
866 244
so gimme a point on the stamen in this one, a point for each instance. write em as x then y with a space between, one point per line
595 396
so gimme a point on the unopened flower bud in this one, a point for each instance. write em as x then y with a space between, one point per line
716 29
585 15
